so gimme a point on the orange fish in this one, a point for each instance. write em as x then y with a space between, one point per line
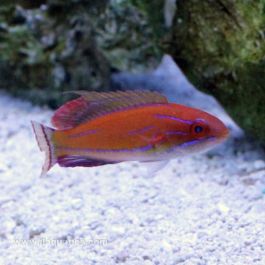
111 127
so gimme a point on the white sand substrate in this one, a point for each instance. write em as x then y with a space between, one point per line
205 209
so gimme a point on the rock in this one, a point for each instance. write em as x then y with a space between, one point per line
220 46
45 53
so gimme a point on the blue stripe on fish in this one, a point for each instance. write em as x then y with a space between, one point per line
176 133
162 116
193 142
189 143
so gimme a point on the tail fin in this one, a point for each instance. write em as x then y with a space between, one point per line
43 136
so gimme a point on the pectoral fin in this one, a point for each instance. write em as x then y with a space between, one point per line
153 167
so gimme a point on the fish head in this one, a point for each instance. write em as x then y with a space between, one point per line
209 127
203 131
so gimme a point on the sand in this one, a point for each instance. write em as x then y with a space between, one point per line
204 209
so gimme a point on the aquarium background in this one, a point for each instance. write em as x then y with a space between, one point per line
50 46
204 209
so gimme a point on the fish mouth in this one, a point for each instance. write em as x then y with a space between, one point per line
222 137
220 131
225 134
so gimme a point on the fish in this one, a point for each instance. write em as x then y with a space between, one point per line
100 128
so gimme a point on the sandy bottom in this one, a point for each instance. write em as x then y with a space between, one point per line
206 209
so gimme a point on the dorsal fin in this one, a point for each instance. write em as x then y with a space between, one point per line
93 104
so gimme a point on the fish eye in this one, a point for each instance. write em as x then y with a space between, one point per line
198 129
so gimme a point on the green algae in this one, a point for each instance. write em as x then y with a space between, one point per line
49 46
220 45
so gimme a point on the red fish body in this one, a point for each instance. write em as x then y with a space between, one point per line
104 128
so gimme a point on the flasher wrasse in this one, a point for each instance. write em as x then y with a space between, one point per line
112 127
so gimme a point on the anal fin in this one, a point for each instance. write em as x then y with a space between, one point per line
80 161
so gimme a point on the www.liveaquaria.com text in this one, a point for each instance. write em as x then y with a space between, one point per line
59 242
